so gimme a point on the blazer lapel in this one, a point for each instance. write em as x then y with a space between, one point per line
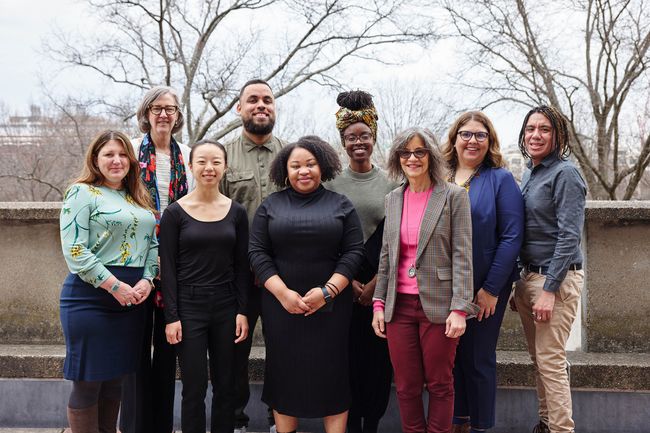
432 214
397 199
478 183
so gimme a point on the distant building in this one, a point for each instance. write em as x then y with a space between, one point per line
37 129
516 163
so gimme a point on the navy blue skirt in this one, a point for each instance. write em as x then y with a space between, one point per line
102 338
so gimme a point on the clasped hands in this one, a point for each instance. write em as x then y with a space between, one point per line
127 295
306 305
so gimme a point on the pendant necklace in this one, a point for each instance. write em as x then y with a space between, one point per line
411 271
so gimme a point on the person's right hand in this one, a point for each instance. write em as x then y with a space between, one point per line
378 324
357 290
293 303
126 295
174 332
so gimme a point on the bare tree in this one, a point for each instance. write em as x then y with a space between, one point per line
525 53
42 152
208 49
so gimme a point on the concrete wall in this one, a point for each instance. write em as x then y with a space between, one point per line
616 301
614 305
31 272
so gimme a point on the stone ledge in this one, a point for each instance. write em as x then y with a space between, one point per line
596 210
610 371
602 210
30 211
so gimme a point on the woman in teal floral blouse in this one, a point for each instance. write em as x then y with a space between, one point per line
109 243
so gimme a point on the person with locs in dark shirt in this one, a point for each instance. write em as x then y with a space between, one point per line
552 278
205 277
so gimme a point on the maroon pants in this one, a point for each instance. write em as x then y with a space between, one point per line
422 357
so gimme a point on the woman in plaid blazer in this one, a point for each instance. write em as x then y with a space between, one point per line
424 284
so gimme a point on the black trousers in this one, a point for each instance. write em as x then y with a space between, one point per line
208 326
370 373
242 353
148 394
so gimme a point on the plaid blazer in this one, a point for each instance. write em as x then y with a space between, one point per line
443 257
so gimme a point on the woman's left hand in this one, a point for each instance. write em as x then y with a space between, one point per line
487 302
241 328
455 325
143 287
314 300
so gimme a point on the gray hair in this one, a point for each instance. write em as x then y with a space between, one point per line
437 165
142 114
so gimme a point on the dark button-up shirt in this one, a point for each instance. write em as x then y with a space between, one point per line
247 178
554 199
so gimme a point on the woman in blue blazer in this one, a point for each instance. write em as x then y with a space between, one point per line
475 161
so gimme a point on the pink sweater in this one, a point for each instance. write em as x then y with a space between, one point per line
415 203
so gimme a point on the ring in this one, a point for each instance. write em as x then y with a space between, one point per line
128 304
532 314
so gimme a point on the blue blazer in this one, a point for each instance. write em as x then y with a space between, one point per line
497 229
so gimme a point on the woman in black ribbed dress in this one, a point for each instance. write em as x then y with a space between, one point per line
306 244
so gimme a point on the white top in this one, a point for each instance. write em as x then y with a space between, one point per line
163 169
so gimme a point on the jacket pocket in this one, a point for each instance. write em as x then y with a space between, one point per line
444 274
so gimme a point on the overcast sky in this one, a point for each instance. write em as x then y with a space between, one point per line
25 23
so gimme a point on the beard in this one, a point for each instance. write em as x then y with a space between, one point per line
258 129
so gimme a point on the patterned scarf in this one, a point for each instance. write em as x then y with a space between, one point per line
346 117
177 179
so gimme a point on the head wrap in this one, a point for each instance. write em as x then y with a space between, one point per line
346 117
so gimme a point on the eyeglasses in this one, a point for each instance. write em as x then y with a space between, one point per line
467 135
363 138
418 153
170 110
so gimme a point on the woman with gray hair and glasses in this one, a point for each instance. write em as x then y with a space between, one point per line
148 395
424 283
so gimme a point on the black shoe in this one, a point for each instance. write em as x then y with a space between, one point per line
541 428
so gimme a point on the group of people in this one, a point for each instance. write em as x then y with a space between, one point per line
361 276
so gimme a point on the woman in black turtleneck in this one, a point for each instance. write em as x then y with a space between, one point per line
306 245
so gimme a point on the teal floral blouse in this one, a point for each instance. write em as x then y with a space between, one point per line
103 227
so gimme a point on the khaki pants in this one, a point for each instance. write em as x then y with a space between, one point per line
546 344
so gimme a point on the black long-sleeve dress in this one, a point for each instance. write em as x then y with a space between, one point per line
304 239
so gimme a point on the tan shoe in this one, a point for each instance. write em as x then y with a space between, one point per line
461 428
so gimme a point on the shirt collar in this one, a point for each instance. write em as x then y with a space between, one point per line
548 161
249 145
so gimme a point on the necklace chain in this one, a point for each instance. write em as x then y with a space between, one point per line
452 178
411 271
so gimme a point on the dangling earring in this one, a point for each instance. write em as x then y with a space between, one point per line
286 182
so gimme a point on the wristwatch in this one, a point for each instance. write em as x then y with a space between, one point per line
326 295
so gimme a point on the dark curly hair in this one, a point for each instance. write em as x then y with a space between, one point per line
328 159
560 124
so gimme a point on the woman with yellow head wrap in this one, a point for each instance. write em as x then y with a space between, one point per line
366 186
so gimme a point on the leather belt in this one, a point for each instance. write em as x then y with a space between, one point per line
543 270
